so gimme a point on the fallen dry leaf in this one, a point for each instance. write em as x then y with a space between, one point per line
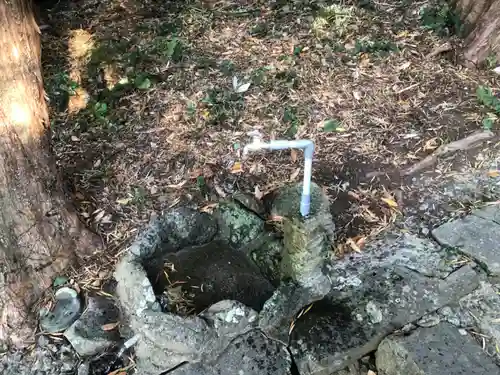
237 167
208 208
404 66
276 218
353 245
177 186
109 326
390 202
123 201
294 175
257 193
493 173
220 191
361 242
293 155
99 214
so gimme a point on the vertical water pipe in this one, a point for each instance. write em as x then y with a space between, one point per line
304 144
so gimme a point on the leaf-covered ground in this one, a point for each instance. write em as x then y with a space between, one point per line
147 113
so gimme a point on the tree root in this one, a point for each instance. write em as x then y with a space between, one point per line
462 144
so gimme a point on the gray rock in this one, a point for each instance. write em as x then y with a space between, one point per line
267 257
133 288
447 314
474 236
176 229
306 250
83 369
215 340
87 335
215 272
40 361
237 226
491 213
66 310
429 320
433 351
286 203
351 322
168 340
250 202
480 311
251 353
228 317
280 310
404 250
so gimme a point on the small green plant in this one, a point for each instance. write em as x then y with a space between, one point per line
139 195
227 67
170 48
142 81
100 110
491 61
332 125
333 17
60 85
379 47
222 105
191 109
201 184
290 118
441 19
486 97
260 76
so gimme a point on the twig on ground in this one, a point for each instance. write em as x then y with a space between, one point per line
462 144
439 50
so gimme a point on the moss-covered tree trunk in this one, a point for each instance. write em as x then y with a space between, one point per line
39 233
482 23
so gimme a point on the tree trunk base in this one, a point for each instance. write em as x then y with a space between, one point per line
40 234
482 20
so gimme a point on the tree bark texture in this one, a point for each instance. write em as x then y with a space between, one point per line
40 234
482 21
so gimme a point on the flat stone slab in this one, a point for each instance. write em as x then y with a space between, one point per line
250 354
351 322
479 310
438 350
491 213
474 236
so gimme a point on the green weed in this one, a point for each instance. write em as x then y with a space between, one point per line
442 19
491 61
167 48
290 118
334 17
222 105
486 97
378 47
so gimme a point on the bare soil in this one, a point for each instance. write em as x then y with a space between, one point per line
146 116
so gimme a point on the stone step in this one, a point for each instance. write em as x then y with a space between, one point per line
477 236
442 349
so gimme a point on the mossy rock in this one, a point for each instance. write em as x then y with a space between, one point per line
268 258
237 225
286 203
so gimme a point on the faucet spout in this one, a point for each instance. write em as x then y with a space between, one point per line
304 144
